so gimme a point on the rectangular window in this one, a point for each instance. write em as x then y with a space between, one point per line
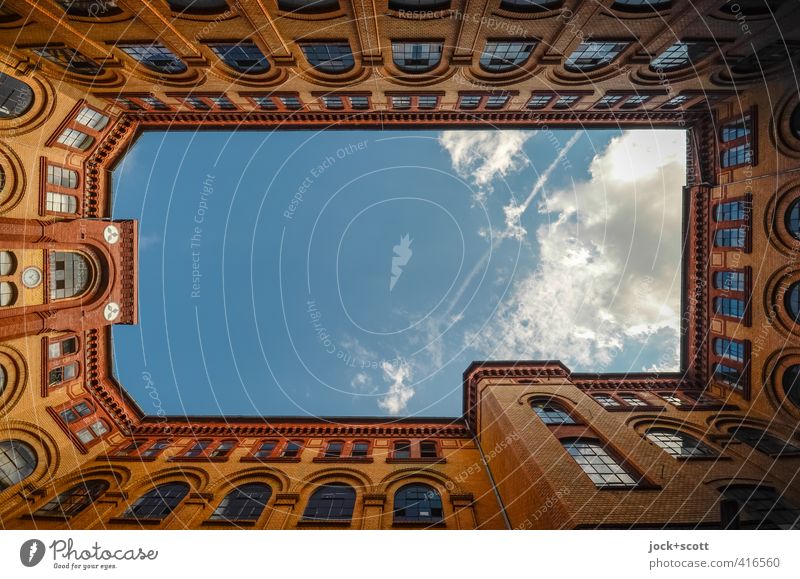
607 101
539 101
731 211
222 103
197 449
333 102
469 101
334 450
427 449
61 203
99 428
730 307
496 101
635 101
402 450
62 348
223 449
265 103
729 375
672 399
127 104
75 139
675 102
61 177
85 435
70 59
401 102
89 117
360 450
292 449
156 449
735 156
731 349
290 102
735 130
632 400
736 237
606 400
729 281
359 102
155 103
566 101
330 58
266 449
427 101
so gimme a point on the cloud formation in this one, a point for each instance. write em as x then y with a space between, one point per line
398 375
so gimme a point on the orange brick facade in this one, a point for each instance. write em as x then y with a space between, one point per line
65 422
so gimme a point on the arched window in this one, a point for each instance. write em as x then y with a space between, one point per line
331 502
198 6
681 55
8 294
159 502
417 503
677 443
266 449
69 274
155 56
8 263
156 448
791 384
244 503
15 97
308 6
93 8
792 218
529 5
416 57
334 449
244 57
76 499
593 55
17 462
331 58
3 380
69 59
602 468
505 55
792 301
551 412
763 441
757 507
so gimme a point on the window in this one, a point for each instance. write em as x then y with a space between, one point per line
632 400
61 348
728 375
340 102
791 384
640 5
155 103
428 449
735 130
75 139
223 449
735 156
731 349
244 57
70 59
566 101
290 102
607 101
469 101
198 6
729 280
91 118
792 302
402 449
8 263
76 412
496 101
61 374
732 211
606 400
635 101
672 399
61 177
755 507
504 55
69 274
292 449
733 237
601 467
792 219
529 5
593 55
265 449
156 448
16 97
129 449
702 399
730 307
678 444
416 57
334 449
331 502
419 5
61 203
94 431
8 294
539 101
244 503
763 59
76 499
197 449
93 8
158 503
17 462
551 412
680 55
360 450
155 56
330 58
675 102
418 503
308 6
763 441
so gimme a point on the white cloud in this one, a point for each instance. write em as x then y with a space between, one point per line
609 256
400 392
483 156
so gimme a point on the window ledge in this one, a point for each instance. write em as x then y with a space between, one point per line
272 459
360 459
325 523
437 460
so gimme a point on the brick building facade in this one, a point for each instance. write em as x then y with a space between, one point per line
538 446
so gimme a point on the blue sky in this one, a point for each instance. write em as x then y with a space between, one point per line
359 272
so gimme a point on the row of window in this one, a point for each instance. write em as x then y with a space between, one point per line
69 275
629 401
275 449
336 57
